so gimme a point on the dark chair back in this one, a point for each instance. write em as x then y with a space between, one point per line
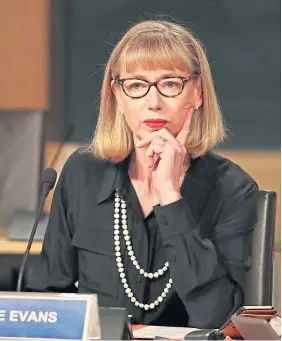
259 284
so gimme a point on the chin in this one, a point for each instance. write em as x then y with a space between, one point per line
140 135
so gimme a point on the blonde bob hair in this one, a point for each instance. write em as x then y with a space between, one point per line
156 44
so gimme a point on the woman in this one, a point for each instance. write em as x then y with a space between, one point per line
148 217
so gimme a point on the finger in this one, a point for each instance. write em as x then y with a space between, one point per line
146 140
164 133
156 146
152 159
153 152
184 132
156 159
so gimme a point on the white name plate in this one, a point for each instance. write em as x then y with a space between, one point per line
48 316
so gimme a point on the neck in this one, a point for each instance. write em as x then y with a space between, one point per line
139 170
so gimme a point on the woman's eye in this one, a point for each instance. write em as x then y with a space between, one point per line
170 84
136 86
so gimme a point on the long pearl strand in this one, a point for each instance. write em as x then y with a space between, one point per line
120 212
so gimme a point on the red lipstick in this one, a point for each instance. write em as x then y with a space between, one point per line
155 124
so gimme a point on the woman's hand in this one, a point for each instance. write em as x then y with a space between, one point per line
166 155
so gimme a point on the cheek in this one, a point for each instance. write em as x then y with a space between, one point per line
179 113
132 115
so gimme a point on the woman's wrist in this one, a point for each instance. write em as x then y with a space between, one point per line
168 196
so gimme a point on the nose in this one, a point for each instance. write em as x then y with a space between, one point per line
154 100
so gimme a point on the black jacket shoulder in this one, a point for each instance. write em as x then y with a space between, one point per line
227 168
80 162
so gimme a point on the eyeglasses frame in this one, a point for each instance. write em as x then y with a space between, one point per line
155 84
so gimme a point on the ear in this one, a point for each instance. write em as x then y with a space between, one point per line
116 91
198 93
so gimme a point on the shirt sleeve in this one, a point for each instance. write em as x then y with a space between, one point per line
56 269
209 273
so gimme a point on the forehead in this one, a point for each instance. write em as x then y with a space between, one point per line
152 73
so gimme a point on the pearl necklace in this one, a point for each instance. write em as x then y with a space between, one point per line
120 207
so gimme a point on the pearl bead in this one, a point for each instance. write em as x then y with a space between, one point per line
120 212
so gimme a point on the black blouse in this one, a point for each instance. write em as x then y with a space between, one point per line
205 236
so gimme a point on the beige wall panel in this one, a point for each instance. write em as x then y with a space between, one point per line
24 56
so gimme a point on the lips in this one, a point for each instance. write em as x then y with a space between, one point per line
155 124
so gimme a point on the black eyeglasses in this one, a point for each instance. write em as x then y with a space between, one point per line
167 87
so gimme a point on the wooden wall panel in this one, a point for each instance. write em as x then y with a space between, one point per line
24 56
